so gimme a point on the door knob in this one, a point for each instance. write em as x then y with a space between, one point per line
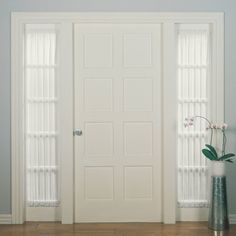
77 132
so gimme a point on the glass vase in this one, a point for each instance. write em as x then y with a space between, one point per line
218 211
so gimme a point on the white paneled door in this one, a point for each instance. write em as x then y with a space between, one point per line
118 109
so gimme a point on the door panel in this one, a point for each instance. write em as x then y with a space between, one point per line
118 107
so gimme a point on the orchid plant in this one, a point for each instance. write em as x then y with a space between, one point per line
210 152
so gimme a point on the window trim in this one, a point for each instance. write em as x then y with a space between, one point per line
66 20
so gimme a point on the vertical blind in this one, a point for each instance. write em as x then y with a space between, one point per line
193 76
41 129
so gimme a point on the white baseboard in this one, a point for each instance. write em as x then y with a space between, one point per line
5 219
232 219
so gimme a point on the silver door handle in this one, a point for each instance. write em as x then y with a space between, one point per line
77 132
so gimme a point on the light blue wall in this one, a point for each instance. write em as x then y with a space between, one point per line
8 6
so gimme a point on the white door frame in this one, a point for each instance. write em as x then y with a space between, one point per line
66 20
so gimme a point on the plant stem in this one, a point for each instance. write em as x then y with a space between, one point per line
209 123
224 142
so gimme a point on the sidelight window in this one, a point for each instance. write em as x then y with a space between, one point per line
193 100
41 129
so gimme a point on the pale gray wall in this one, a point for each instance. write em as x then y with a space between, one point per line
8 6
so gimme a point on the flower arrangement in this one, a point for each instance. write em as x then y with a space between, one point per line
210 152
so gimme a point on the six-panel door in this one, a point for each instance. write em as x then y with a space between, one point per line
117 69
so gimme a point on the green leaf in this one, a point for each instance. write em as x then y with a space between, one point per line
226 156
230 160
209 154
212 149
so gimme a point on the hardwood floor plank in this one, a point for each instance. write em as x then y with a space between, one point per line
113 229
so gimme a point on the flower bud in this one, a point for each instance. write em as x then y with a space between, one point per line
224 126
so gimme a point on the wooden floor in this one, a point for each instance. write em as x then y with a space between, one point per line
119 229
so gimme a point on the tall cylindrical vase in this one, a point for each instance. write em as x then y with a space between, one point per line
218 212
